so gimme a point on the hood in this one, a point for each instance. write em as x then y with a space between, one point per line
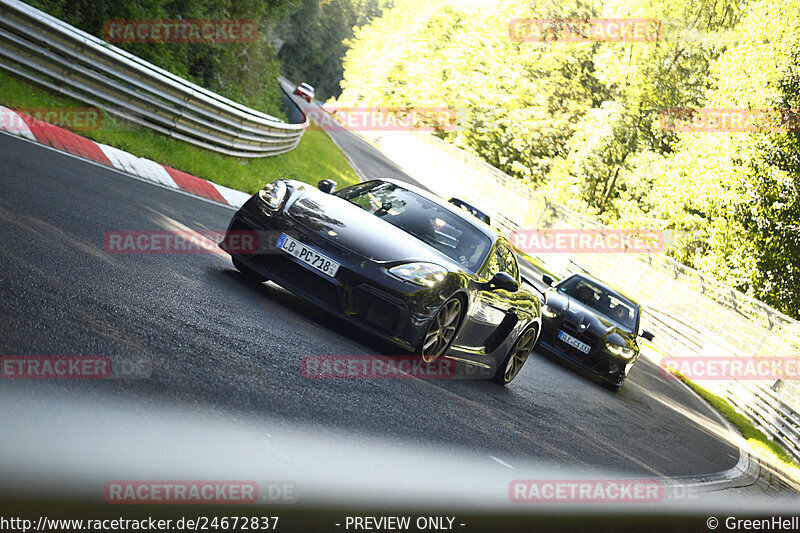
347 225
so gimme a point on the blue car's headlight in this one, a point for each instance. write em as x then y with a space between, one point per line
423 274
620 351
273 194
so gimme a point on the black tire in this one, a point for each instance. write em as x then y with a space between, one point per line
441 330
517 355
247 273
612 387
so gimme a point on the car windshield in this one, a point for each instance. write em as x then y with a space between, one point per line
607 303
429 222
307 87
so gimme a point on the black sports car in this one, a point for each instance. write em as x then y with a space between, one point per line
592 325
399 262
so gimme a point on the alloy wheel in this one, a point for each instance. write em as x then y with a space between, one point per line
441 331
520 354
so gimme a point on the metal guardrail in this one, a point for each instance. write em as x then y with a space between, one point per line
768 412
690 314
766 409
64 59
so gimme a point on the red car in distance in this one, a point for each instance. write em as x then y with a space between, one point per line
306 91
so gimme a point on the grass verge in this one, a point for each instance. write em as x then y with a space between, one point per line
315 158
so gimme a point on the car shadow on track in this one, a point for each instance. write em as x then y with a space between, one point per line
584 374
326 321
371 345
644 372
311 312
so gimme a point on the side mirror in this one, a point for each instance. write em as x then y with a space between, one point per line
646 335
503 280
548 280
326 186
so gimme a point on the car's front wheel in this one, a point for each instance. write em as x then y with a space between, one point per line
441 331
516 357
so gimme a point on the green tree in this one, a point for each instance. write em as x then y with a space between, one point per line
245 72
588 123
314 37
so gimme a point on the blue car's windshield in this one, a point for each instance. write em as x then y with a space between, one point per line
431 223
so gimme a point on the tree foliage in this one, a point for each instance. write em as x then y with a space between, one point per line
314 37
245 72
585 122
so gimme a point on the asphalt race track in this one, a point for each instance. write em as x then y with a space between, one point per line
187 330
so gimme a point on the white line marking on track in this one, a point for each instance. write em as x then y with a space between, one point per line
505 464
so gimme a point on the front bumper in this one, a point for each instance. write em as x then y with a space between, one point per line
598 361
362 292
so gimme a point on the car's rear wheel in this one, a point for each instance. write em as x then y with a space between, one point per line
442 330
516 357
247 273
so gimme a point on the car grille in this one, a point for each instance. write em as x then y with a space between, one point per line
572 329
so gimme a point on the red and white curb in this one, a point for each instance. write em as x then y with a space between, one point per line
49 135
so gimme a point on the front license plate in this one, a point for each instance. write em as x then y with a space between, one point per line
308 255
572 341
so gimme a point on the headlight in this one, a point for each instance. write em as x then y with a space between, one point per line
547 312
619 351
273 194
424 274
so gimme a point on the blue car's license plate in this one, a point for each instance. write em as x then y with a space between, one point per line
572 341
